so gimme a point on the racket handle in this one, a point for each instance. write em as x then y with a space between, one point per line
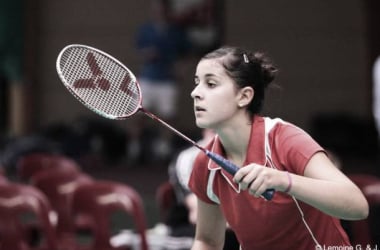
232 169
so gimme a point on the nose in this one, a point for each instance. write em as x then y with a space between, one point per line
195 93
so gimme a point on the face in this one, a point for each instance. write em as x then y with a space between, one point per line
215 95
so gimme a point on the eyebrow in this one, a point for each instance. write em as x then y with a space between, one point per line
207 75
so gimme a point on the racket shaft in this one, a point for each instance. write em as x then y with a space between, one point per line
232 169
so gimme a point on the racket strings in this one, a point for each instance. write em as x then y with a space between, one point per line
100 83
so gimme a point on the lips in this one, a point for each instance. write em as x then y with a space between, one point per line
198 109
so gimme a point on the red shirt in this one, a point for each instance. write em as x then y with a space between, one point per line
261 224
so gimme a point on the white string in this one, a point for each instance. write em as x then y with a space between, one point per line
269 124
305 223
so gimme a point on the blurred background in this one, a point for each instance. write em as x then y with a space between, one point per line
325 51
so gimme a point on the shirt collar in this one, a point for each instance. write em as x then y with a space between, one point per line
255 150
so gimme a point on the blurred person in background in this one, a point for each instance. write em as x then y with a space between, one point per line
376 95
12 82
160 43
183 215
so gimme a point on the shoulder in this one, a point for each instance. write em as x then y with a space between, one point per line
293 146
283 130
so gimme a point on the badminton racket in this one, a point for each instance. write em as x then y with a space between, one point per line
107 87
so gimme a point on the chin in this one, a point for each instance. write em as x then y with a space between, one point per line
203 124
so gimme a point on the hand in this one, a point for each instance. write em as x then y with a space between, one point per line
257 179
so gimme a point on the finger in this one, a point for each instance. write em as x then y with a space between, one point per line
261 190
239 175
248 179
254 187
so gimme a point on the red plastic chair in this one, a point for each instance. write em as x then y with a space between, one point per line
30 164
3 179
100 200
364 232
59 186
165 199
20 205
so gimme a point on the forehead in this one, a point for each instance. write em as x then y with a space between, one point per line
210 66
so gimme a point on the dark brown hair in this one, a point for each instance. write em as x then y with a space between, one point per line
247 68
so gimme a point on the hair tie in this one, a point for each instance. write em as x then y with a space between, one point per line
289 183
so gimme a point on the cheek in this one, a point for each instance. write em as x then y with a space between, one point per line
223 109
226 110
224 101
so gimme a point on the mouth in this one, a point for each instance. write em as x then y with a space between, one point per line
199 109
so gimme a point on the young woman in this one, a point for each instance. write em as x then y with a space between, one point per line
311 193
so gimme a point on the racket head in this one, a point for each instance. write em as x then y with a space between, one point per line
99 81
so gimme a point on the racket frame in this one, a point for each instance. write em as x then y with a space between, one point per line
72 91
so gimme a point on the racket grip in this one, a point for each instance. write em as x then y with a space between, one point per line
232 169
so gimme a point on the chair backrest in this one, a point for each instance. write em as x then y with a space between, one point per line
59 185
30 164
16 202
100 199
3 179
367 231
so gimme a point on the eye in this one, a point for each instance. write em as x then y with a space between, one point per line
211 84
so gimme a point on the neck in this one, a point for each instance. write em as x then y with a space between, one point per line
235 140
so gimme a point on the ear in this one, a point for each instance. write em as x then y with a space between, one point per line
245 96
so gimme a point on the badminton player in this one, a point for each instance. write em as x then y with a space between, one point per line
312 194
